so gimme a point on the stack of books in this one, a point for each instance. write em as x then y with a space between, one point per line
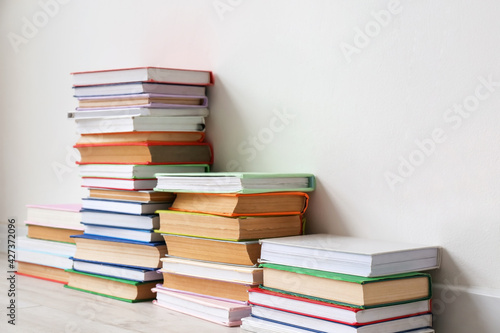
133 123
327 283
47 250
212 231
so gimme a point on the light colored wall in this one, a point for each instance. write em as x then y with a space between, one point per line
299 87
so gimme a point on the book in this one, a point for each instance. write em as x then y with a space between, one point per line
141 136
321 325
209 287
334 312
120 289
44 252
234 182
223 312
48 273
119 271
137 88
142 74
212 270
119 183
119 251
228 228
264 325
136 171
141 235
138 111
126 195
60 215
128 207
52 233
145 99
139 124
229 252
350 255
349 290
149 221
146 153
235 204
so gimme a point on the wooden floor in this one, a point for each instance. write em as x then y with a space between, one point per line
43 306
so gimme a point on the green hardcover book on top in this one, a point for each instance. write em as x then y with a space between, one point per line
235 182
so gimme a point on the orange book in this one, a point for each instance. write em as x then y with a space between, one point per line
141 136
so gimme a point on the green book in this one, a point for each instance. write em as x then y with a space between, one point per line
112 287
348 290
235 182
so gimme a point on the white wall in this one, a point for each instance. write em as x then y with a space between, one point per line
298 88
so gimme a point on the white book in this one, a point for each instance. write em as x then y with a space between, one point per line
128 207
121 219
138 111
135 171
137 88
349 255
140 235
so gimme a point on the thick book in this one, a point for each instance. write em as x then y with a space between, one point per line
350 255
321 325
59 215
334 312
134 273
52 233
141 136
43 272
128 207
143 74
139 124
212 270
137 88
136 171
150 221
119 251
349 290
235 204
144 99
229 252
140 235
146 153
120 289
103 113
126 195
229 228
119 183
210 287
235 182
223 312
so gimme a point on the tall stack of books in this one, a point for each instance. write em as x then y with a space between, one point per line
212 231
327 283
133 123
48 248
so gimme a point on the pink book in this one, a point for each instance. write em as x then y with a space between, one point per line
216 310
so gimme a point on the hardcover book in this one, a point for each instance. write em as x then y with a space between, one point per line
234 182
145 99
128 207
137 88
126 195
350 255
140 235
229 228
349 290
134 273
136 171
59 215
141 136
146 153
152 111
143 74
235 204
123 220
223 312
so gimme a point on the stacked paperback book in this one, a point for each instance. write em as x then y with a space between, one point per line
212 231
48 248
327 283
133 123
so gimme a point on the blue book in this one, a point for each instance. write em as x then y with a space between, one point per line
115 219
141 235
141 274
128 207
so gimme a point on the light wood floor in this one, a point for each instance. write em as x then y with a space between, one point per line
43 306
